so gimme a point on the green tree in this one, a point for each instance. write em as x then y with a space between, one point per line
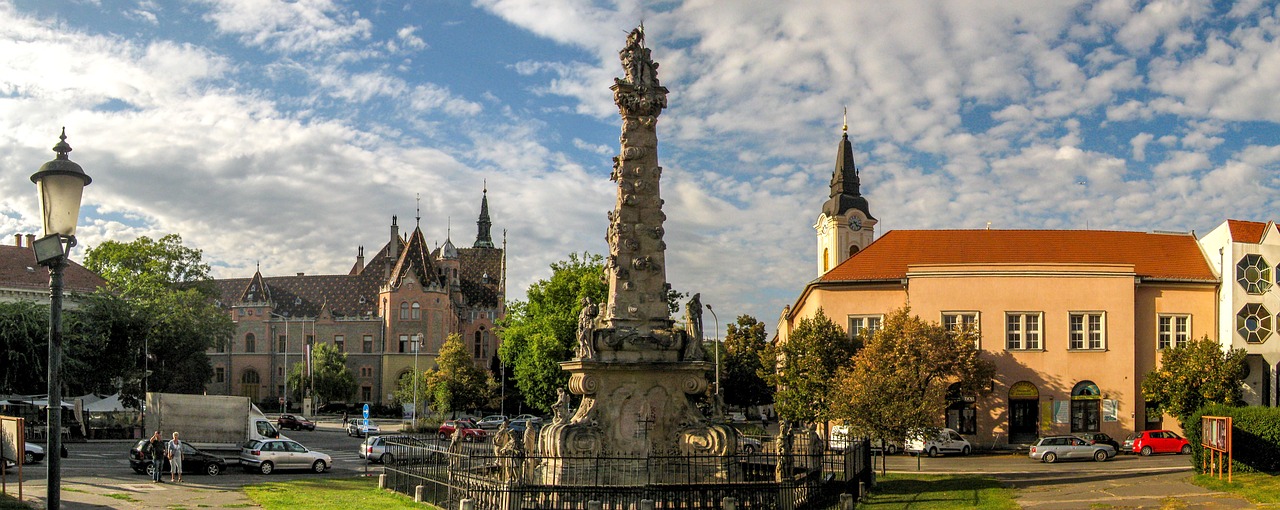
332 379
803 368
741 365
1194 375
24 347
456 383
539 333
173 294
897 384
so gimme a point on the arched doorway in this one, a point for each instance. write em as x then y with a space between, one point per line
1086 407
1024 411
250 383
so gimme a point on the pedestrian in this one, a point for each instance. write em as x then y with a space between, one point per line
156 450
344 420
175 459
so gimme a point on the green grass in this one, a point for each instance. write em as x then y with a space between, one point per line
8 502
121 496
328 493
923 492
1258 488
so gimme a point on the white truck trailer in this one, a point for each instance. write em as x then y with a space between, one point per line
208 422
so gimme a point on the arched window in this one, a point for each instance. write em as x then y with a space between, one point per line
1086 407
250 344
250 376
404 310
401 379
479 338
853 249
826 260
417 311
250 384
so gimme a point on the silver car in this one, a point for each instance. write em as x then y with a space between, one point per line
379 449
269 455
1051 449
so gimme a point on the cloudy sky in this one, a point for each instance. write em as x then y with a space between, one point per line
288 133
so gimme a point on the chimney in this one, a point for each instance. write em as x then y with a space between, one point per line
17 240
302 274
31 240
360 261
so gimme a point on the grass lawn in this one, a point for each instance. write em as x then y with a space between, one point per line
1258 488
328 493
922 492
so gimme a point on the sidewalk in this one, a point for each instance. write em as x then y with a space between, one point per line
189 494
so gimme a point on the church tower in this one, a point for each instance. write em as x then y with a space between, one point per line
845 225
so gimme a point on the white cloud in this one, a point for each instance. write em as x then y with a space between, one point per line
300 26
1139 143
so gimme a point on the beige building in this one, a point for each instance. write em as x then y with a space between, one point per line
1072 319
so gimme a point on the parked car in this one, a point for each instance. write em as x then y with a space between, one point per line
491 422
295 422
384 449
355 428
469 431
947 441
840 439
1101 438
34 453
738 417
529 417
1053 448
749 444
266 456
1148 442
194 460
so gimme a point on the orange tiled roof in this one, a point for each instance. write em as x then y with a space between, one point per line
18 269
1246 231
1155 256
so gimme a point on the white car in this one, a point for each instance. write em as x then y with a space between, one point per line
840 440
266 456
358 429
947 441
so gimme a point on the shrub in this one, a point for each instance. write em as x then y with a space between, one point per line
1255 437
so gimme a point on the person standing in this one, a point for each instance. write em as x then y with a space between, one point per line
175 459
344 420
157 453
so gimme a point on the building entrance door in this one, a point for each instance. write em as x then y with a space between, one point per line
1023 415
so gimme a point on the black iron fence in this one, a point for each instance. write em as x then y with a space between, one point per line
806 478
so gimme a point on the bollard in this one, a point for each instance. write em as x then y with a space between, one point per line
382 481
467 504
594 505
729 503
847 502
646 504
417 494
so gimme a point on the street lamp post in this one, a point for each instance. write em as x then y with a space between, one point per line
718 345
60 184
417 346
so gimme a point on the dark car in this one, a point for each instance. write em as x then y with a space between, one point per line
295 422
193 460
1101 438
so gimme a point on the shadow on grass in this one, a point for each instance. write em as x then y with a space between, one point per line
939 491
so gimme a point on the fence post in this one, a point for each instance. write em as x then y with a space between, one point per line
729 503
646 504
382 481
847 501
594 505
417 494
467 504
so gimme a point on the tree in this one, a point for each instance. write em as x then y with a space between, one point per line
332 379
741 365
1194 375
803 368
24 347
540 333
173 294
897 384
456 383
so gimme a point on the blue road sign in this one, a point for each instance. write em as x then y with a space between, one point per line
366 415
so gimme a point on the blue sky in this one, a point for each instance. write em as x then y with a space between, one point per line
288 133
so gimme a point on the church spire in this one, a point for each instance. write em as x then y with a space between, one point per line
846 185
483 239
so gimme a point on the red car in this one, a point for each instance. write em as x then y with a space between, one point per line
1148 442
470 432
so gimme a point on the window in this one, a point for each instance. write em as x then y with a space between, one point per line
1253 322
366 393
311 340
962 323
417 311
962 413
863 325
250 376
479 338
282 343
340 343
250 343
366 371
280 371
1172 331
404 310
1022 331
1086 407
1087 331
219 374
1254 274
484 342
367 344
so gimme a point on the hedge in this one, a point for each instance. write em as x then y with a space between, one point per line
1255 437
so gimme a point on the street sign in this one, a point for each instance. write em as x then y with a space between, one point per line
366 411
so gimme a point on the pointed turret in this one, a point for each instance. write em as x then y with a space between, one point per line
846 186
845 225
483 238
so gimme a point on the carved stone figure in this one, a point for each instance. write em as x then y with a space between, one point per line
586 329
784 469
693 313
561 407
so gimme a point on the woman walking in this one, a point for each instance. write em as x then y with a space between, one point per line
175 459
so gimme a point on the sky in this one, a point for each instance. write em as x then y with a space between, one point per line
286 134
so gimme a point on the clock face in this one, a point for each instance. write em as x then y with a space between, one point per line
855 223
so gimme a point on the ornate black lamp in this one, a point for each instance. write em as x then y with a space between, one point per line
60 184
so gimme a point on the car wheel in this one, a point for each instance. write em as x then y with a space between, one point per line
933 452
748 448
1049 458
893 450
965 450
150 470
387 458
212 469
1100 455
1146 451
443 436
266 468
318 466
28 458
1186 449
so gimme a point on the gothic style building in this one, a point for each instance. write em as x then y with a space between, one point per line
396 306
